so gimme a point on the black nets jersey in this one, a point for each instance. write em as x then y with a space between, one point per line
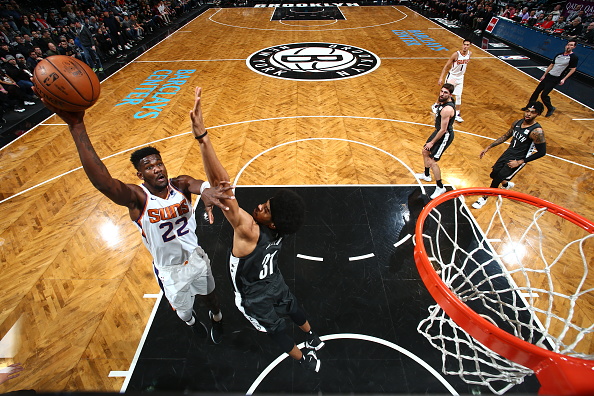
521 145
440 107
253 274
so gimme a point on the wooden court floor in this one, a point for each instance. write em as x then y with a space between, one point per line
77 283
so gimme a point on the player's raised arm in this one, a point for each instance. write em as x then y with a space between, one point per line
242 222
114 189
447 67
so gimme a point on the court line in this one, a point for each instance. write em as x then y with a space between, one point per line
281 118
307 30
362 257
141 343
328 24
338 139
188 60
312 258
362 337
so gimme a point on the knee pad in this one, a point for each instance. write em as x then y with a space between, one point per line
298 317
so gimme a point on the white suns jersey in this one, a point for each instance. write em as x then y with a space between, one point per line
459 65
168 227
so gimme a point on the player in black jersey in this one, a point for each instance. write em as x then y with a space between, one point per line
528 144
261 293
440 139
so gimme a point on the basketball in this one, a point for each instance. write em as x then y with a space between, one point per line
66 83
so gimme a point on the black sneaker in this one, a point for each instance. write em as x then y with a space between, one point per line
198 327
314 342
310 362
550 112
216 330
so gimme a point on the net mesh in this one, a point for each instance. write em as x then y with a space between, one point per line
524 269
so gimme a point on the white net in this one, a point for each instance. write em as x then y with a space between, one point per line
522 268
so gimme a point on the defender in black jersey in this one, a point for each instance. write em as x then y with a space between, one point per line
440 139
527 144
261 293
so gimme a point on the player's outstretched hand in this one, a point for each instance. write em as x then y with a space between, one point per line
482 154
69 117
198 127
212 196
10 372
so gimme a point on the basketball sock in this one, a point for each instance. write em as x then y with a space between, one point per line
427 172
439 183
191 321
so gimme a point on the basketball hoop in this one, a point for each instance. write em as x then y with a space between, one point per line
511 298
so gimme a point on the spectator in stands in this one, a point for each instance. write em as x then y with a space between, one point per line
522 15
4 51
21 47
36 38
22 62
46 38
22 77
33 59
481 23
42 23
559 26
25 27
576 14
164 12
115 31
16 98
10 31
574 29
28 43
509 12
87 44
556 12
52 50
588 35
106 45
533 21
64 48
546 23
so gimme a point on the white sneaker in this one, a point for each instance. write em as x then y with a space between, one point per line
459 119
438 191
509 186
434 108
479 203
421 176
29 103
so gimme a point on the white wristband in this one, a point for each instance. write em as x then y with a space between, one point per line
204 185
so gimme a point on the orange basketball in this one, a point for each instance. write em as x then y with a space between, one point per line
66 83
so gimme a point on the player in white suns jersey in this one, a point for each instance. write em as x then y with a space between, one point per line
162 209
455 68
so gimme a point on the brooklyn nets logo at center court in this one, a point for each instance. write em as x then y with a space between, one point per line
313 61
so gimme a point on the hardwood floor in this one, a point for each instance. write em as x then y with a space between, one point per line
74 271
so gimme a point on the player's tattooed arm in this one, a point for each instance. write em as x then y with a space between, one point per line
537 136
498 141
502 138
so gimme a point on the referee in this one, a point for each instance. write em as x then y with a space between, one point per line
563 66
